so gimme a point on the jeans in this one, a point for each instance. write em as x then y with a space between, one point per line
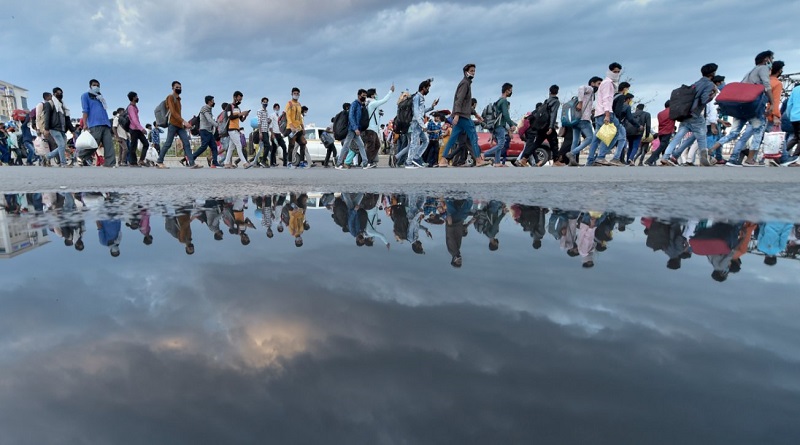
695 124
633 143
207 141
754 127
137 136
464 125
263 147
582 128
331 151
621 141
31 152
500 137
663 143
346 156
302 148
184 135
419 142
60 151
598 124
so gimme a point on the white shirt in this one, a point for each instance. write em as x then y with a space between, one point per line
711 113
273 125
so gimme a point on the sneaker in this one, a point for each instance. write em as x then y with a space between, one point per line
617 163
668 162
687 164
195 166
247 165
370 165
339 167
771 163
733 163
602 162
789 163
411 166
749 163
417 163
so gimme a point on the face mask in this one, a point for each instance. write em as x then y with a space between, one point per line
594 88
295 96
614 76
769 65
95 90
136 101
59 97
178 91
212 104
509 94
362 99
470 76
264 106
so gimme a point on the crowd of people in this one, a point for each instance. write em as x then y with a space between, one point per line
602 116
383 220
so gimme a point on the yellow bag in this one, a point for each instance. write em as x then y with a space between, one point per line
607 133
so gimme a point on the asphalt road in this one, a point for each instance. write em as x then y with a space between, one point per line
718 192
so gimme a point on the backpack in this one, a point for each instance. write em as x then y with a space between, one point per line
405 114
124 120
195 122
618 106
223 121
491 116
632 127
524 127
681 102
340 126
742 100
363 124
282 124
540 118
162 114
570 116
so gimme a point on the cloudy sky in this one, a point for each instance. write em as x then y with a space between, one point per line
331 48
243 343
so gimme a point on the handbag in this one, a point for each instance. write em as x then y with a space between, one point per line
86 141
606 133
152 154
772 144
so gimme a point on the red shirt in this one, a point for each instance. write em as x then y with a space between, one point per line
665 124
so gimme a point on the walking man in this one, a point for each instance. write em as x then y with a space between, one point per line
462 122
264 121
95 118
207 127
504 122
354 133
584 126
176 126
56 123
137 132
235 116
277 138
295 126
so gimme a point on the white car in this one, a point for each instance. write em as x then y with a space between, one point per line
316 149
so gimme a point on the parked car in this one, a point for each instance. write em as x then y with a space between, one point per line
515 147
316 149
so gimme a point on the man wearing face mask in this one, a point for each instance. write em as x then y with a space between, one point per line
263 127
56 123
207 127
462 122
604 112
756 125
295 127
354 133
418 137
137 132
177 125
235 116
95 118
372 141
277 138
584 126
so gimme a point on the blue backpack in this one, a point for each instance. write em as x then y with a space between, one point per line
570 116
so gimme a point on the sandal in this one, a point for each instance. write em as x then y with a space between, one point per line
162 166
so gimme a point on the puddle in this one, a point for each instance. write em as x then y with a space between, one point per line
391 318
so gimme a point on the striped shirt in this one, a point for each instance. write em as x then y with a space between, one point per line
263 120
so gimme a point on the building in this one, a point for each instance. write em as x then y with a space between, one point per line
12 97
18 235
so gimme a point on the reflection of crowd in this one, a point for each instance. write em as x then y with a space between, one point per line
582 234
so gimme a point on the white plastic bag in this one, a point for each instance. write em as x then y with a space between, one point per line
41 147
772 144
86 141
152 154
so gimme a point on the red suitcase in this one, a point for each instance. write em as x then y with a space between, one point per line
742 100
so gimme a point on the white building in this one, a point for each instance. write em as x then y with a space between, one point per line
17 235
12 97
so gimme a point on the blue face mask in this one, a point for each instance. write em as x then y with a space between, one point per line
95 90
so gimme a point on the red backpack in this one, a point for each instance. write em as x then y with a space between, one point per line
709 246
523 127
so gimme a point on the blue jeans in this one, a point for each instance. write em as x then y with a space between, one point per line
61 143
464 125
418 143
345 154
497 150
754 127
695 124
31 152
598 123
582 128
207 141
5 154
634 143
621 141
187 147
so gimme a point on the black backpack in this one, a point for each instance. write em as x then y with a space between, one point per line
124 120
405 114
195 122
363 124
340 126
618 106
540 118
681 102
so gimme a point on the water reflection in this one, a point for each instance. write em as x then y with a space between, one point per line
332 317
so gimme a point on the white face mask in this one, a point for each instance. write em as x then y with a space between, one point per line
614 76
295 96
